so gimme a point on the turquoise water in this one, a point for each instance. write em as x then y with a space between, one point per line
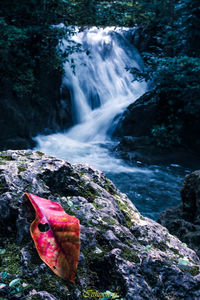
152 192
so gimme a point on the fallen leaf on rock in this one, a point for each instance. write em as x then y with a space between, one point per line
56 236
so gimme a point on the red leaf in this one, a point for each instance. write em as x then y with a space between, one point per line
56 236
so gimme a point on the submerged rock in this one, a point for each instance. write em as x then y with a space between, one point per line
184 220
121 251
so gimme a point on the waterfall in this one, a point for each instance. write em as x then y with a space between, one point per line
100 89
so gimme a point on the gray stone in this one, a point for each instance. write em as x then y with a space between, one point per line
121 251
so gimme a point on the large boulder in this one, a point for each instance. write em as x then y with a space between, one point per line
121 251
139 117
184 220
133 131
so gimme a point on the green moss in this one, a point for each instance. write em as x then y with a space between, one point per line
167 238
102 228
176 251
29 189
123 208
92 255
161 246
21 169
90 276
109 220
7 157
121 205
51 283
45 280
97 205
130 255
194 271
87 192
129 222
109 187
90 222
81 173
27 154
40 153
11 258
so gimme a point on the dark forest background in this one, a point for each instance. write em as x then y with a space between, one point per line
30 58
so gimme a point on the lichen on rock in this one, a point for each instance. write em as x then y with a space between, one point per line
121 251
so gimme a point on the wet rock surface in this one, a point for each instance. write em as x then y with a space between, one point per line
136 142
184 220
138 119
121 251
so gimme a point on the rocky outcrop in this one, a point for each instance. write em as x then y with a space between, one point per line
142 37
22 119
121 251
136 143
184 220
133 131
138 119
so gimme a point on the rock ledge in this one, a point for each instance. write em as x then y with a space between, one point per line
121 251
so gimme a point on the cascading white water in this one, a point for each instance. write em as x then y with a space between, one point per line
100 88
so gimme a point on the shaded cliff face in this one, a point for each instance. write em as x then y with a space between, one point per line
121 251
22 119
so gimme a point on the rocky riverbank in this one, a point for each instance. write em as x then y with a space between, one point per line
184 220
136 142
121 251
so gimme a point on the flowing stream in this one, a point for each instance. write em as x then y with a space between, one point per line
100 89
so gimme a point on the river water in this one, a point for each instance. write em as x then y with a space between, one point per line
100 89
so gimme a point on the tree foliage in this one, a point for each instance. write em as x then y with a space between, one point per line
28 45
173 68
29 52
